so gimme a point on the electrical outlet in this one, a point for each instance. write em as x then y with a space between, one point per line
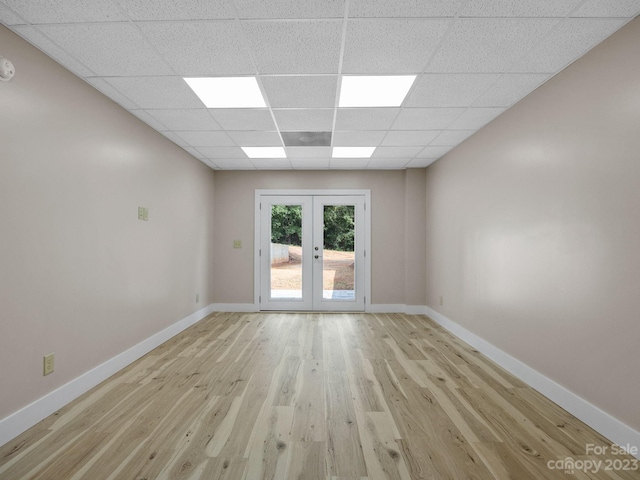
145 214
197 298
48 364
441 300
237 244
140 213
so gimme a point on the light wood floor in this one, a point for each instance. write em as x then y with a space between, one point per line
308 396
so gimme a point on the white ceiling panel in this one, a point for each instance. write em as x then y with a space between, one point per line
426 118
111 49
243 118
290 9
156 92
37 38
511 8
308 152
222 152
247 138
295 46
564 44
410 137
475 118
201 48
304 120
311 163
301 91
449 90
420 162
472 60
433 152
608 8
452 137
172 10
370 138
486 45
390 45
206 139
9 17
510 88
404 8
396 152
66 11
365 118
185 119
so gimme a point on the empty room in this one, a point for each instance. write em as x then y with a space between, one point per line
329 239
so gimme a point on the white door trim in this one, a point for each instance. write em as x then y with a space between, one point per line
294 192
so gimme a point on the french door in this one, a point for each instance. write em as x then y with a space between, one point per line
312 252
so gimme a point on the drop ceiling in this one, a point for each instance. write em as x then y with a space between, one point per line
473 60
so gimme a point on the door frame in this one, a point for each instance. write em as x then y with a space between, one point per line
298 192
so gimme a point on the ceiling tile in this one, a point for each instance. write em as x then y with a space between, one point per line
312 119
509 8
295 46
9 18
175 139
433 152
387 163
452 137
475 118
271 163
172 10
404 8
37 38
199 48
365 118
308 152
349 163
111 49
410 137
420 162
107 89
222 152
396 152
235 164
572 38
310 163
244 118
185 119
194 152
65 11
510 88
247 138
390 45
206 139
485 45
448 90
300 91
608 8
426 118
371 138
156 92
148 119
290 9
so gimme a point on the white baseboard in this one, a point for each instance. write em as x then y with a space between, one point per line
235 307
599 420
25 418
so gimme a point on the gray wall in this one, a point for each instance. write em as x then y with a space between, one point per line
533 230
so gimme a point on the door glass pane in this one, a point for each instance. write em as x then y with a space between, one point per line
286 252
338 260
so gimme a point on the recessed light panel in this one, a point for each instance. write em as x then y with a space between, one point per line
374 91
352 152
264 152
227 92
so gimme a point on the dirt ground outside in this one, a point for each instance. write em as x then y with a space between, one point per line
338 271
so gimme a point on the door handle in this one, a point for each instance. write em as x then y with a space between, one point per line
316 256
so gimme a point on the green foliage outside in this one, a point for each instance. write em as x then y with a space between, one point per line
286 226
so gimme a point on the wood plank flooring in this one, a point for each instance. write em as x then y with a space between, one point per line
310 396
